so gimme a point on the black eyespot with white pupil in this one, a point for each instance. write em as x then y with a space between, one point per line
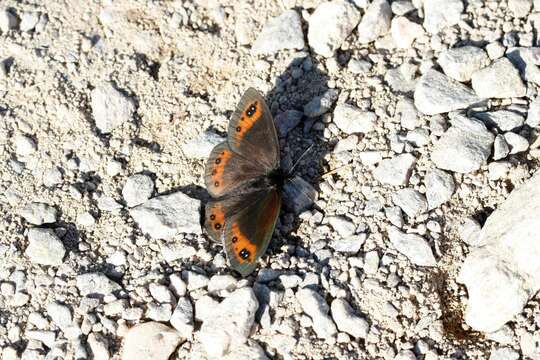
238 129
216 184
234 239
212 217
244 254
217 226
251 110
218 160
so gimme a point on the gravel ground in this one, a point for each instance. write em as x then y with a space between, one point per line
420 240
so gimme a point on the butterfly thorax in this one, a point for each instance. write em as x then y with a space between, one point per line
277 178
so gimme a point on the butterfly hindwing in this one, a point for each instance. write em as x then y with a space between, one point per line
249 228
252 132
227 171
217 212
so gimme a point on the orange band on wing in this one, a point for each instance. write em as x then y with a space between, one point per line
244 250
219 167
216 218
250 115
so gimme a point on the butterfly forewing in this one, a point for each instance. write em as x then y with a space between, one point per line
227 171
252 132
248 232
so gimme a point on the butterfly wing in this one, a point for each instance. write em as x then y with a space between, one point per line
227 171
252 132
246 224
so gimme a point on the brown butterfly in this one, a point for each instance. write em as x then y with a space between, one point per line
244 178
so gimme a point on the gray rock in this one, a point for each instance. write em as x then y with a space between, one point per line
330 24
520 8
407 113
24 146
371 262
160 293
150 341
39 213
501 149
321 104
347 321
469 231
349 245
413 246
316 307
395 171
410 201
229 324
99 346
503 273
342 225
350 119
499 80
96 284
52 177
279 33
194 279
498 170
405 31
201 146
287 120
516 142
158 312
439 187
504 120
29 20
359 66
60 314
439 14
85 219
251 350
165 216
405 355
533 115
137 189
402 7
290 281
375 22
402 78
464 147
298 195
460 63
8 21
107 203
347 144
221 282
110 107
44 247
436 93
527 61
394 215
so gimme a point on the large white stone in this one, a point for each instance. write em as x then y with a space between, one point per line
228 325
464 147
504 273
164 216
330 24
436 93
150 341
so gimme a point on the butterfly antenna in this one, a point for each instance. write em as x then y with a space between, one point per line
291 170
332 172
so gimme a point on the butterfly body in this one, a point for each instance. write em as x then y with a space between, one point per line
244 178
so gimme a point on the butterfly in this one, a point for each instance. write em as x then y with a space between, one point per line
244 179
